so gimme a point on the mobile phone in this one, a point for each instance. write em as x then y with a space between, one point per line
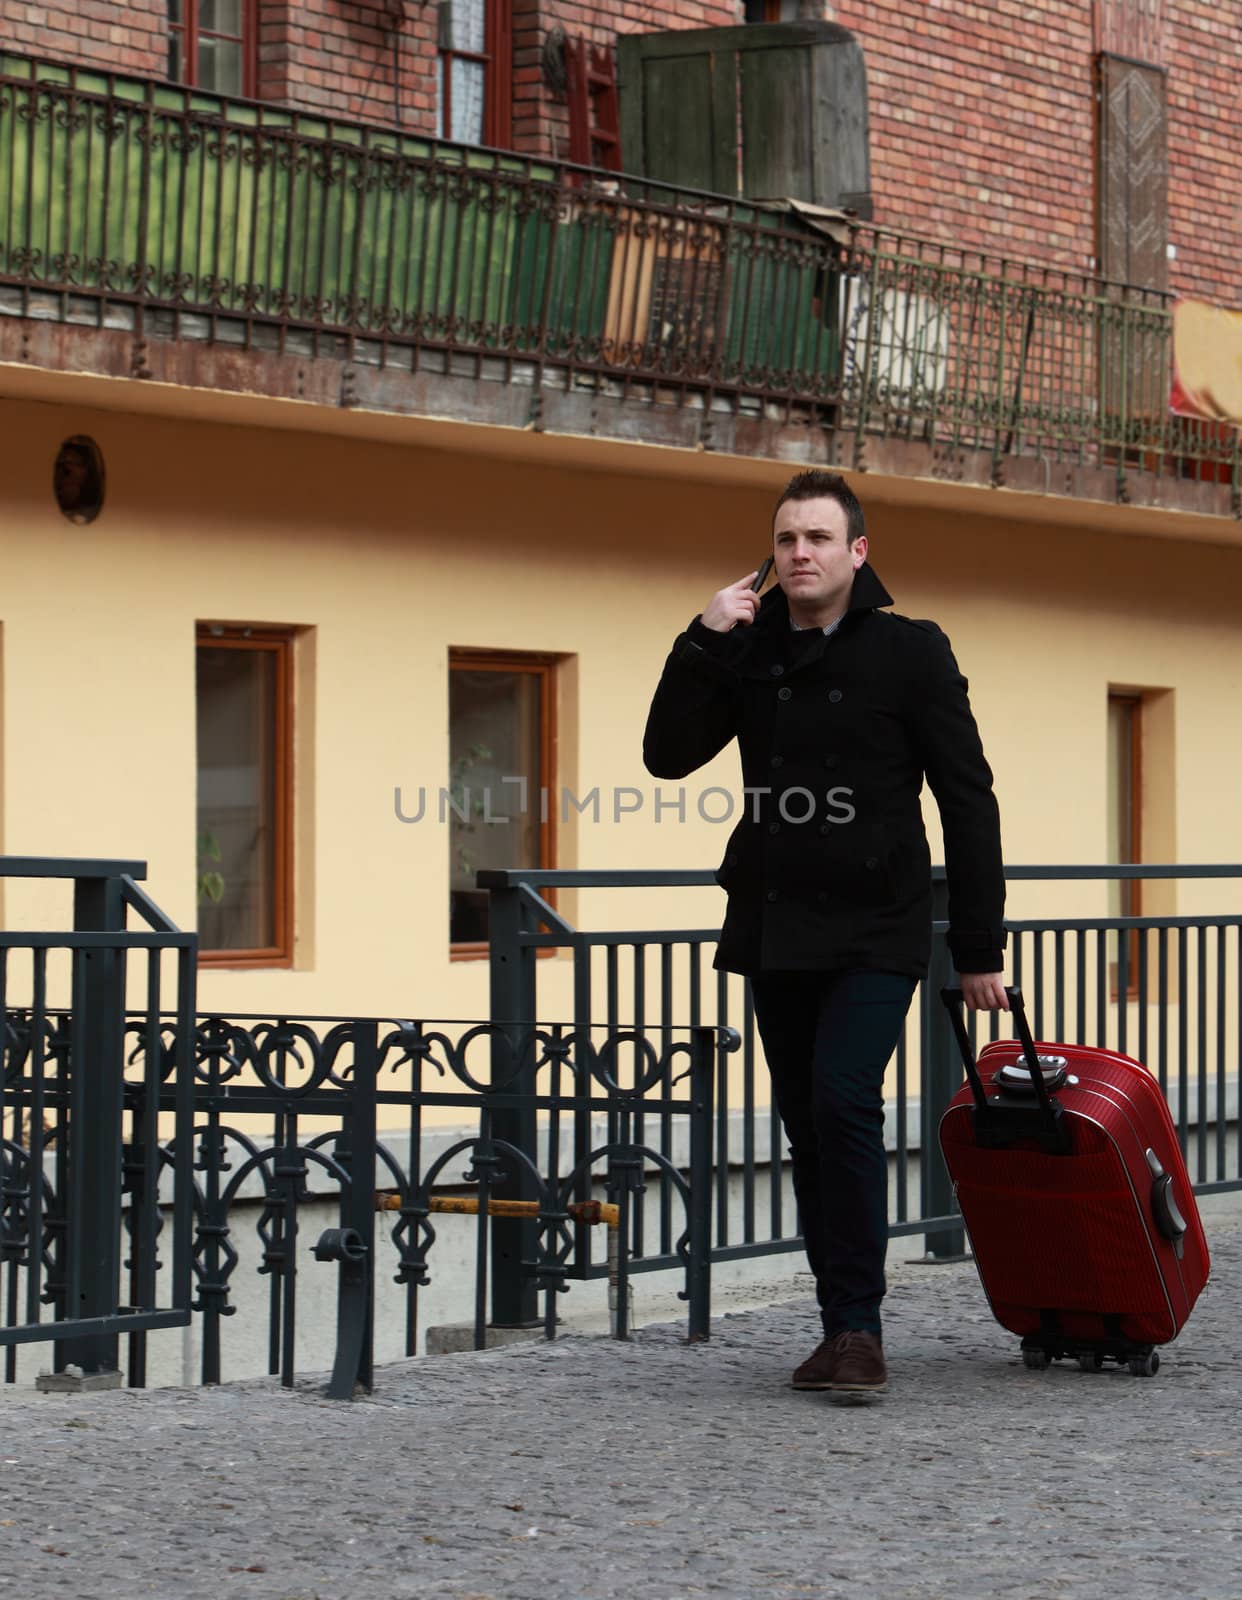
761 577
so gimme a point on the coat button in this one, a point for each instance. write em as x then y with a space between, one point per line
822 894
777 761
834 695
872 863
825 827
772 895
784 694
774 827
830 761
777 671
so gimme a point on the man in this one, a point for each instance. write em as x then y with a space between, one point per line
840 710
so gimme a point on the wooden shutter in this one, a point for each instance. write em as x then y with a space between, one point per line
1133 174
778 111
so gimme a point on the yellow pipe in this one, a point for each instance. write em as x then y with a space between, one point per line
588 1211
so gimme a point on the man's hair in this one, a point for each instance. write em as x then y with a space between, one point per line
819 485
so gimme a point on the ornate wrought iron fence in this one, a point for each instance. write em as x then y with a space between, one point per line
292 1114
219 1124
125 201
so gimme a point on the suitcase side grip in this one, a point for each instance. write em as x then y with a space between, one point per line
1169 1219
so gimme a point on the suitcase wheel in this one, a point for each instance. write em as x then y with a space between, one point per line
1145 1366
1034 1358
1091 1363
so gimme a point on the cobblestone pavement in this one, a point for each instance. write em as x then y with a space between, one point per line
590 1469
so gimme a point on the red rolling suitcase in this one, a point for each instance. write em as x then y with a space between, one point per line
1076 1198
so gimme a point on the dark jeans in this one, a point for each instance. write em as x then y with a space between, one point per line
827 1037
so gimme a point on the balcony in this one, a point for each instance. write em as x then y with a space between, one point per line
151 231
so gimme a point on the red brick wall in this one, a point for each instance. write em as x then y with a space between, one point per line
1205 151
540 119
132 37
337 56
982 122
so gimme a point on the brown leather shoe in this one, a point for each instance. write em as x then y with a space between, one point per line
855 1362
816 1371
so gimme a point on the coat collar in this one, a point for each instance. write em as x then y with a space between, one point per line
771 640
867 594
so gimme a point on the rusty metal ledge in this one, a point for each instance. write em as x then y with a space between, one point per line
681 432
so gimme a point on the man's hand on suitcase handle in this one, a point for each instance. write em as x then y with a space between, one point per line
984 991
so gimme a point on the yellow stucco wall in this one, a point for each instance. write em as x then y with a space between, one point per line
392 553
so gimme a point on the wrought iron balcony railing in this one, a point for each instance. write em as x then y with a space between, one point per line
128 202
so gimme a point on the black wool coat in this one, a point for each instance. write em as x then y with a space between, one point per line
828 867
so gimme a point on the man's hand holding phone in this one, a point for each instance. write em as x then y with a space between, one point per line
738 604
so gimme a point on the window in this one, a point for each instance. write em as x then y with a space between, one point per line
245 766
213 44
501 800
771 10
476 71
1142 818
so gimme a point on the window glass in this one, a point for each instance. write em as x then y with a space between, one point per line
468 82
220 16
494 733
1124 836
237 800
469 26
220 65
1123 716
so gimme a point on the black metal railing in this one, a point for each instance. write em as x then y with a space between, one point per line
1165 988
184 215
82 1149
321 1123
248 1134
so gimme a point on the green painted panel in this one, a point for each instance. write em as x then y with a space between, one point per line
230 210
782 330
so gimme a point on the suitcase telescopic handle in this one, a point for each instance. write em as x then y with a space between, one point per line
953 999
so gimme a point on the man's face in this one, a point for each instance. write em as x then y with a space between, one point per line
814 565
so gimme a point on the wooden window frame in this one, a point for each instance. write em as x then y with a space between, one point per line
279 642
469 660
248 39
497 63
1131 888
